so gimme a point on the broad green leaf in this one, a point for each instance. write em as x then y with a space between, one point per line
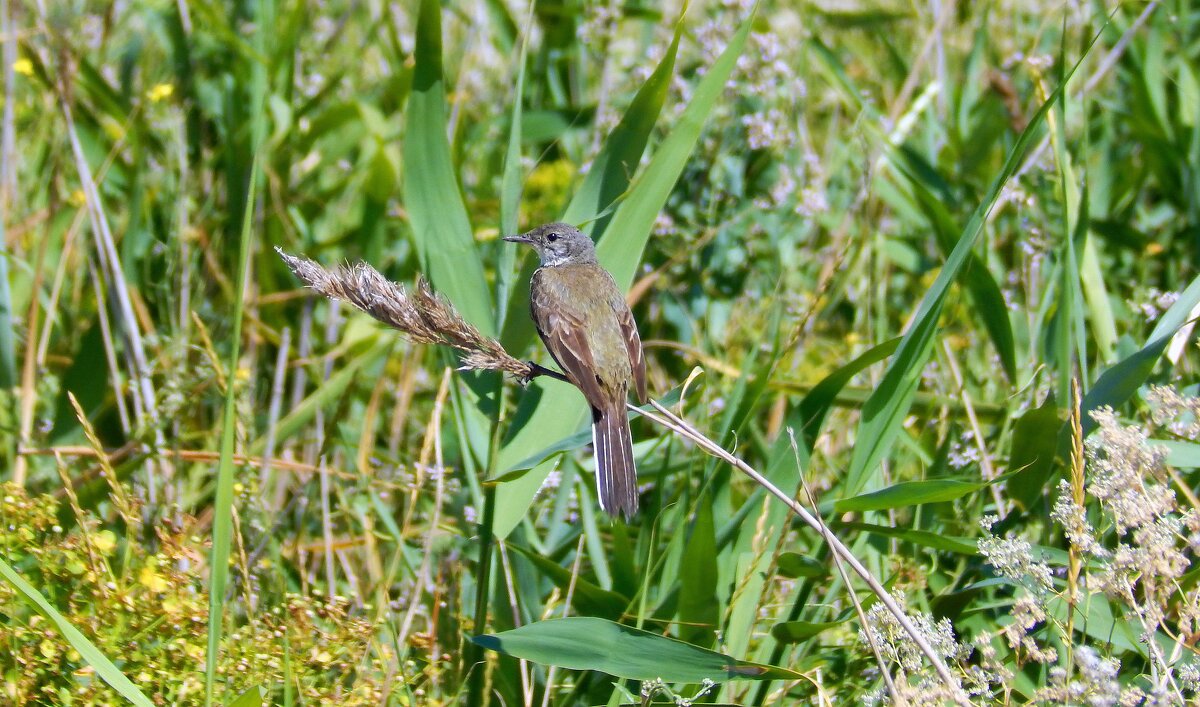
797 631
908 493
1034 447
924 538
795 565
884 412
571 441
615 165
1095 618
87 379
441 228
1180 454
566 444
562 412
585 643
87 650
699 610
382 174
1118 383
250 698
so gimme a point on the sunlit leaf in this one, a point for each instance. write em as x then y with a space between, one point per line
441 228
583 643
908 493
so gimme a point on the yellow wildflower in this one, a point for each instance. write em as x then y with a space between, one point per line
152 580
160 92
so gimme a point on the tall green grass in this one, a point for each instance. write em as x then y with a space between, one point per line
872 252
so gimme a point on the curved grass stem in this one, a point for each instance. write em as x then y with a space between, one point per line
681 427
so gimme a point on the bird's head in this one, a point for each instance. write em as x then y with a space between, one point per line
558 244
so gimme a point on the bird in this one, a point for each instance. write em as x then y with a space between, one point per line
583 319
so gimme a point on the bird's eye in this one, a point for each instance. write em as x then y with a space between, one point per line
552 237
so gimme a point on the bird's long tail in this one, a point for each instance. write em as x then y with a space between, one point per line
616 475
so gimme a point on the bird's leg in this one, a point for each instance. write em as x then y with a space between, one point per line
536 370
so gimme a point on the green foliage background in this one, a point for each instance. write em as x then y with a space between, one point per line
895 233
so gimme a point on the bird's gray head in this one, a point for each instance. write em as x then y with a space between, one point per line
559 244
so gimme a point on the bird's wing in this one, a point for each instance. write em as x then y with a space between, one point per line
566 339
633 344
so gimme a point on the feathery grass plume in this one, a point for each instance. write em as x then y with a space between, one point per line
423 315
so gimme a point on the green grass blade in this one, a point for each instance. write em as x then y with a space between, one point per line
613 168
222 529
250 698
1068 319
924 538
222 523
620 250
510 192
699 610
1095 293
1180 454
606 180
585 643
1118 383
884 412
588 598
91 655
801 631
561 412
975 277
793 565
441 228
1177 315
908 493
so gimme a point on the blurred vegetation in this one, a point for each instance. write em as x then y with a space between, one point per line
785 188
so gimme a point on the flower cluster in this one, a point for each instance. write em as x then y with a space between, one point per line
1130 541
1012 557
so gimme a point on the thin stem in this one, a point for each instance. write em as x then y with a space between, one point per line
682 427
475 663
841 568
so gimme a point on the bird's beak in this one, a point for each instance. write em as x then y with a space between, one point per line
517 239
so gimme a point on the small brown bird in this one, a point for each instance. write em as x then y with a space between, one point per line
585 323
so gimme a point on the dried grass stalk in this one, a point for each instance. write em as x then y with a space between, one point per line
424 316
